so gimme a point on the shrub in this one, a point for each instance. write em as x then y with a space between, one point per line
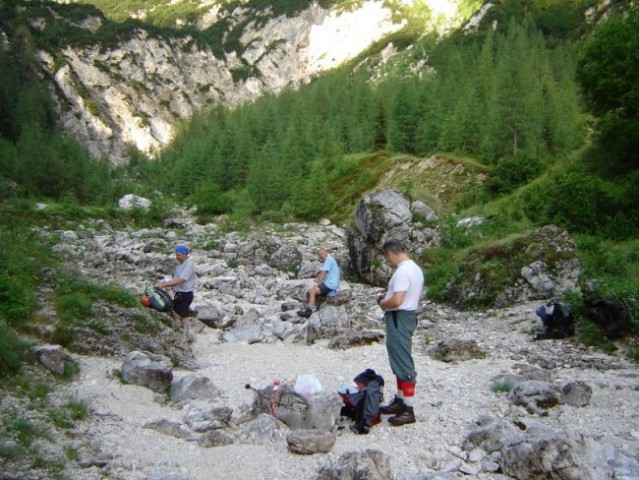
210 200
117 295
592 336
502 386
576 201
73 306
12 350
65 416
22 429
512 172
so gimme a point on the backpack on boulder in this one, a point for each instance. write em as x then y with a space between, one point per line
362 400
557 319
157 299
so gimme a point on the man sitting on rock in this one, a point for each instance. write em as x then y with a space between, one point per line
327 281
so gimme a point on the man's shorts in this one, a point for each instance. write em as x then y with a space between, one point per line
182 303
324 290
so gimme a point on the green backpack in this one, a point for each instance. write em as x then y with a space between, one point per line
159 299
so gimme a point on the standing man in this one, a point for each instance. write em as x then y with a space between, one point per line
183 284
399 304
326 281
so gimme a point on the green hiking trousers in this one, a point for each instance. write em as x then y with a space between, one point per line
400 325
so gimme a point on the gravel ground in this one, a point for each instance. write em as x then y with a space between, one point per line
450 397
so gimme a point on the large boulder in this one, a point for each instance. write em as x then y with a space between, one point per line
529 449
381 216
130 201
316 411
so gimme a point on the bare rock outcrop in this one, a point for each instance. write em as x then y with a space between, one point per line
381 216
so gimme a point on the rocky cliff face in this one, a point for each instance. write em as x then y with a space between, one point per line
132 95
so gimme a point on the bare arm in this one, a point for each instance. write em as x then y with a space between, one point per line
320 276
174 282
393 302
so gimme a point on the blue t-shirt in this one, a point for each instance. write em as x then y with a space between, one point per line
332 277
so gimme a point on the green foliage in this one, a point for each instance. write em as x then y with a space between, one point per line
512 172
441 268
24 425
607 67
591 335
33 152
577 201
505 96
557 19
502 386
74 307
22 430
483 259
614 265
12 351
633 354
117 295
283 148
211 201
65 416
607 71
21 263
25 386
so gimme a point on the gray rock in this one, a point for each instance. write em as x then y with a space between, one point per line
368 464
536 396
130 201
577 394
192 387
564 455
149 370
215 438
169 427
455 350
54 357
309 442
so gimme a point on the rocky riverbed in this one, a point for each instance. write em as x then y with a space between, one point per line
247 331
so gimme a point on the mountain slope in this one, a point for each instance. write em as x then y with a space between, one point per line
123 85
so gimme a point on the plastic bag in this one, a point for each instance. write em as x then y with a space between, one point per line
307 384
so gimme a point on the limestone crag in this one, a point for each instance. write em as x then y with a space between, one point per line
114 97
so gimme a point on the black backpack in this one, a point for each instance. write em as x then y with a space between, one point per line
363 405
557 319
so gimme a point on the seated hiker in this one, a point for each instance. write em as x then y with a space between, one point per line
183 284
326 281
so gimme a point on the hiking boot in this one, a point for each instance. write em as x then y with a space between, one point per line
305 312
407 416
393 408
360 429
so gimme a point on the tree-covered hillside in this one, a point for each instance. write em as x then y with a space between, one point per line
539 99
507 98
